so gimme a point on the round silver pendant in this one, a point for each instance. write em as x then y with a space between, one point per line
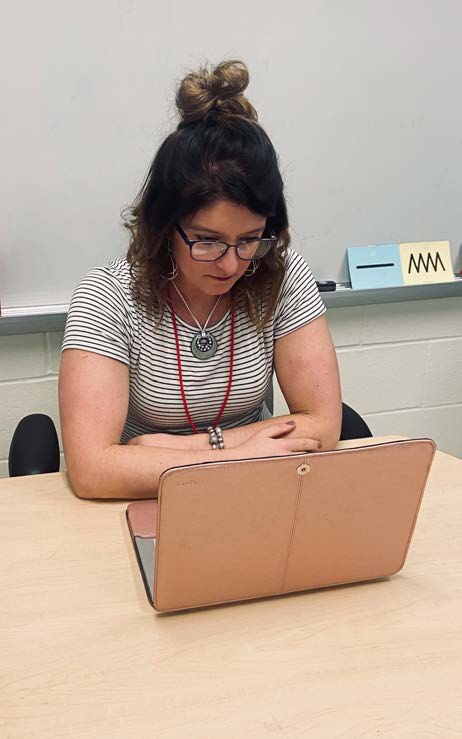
204 345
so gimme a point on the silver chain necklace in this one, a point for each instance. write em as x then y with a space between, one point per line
204 344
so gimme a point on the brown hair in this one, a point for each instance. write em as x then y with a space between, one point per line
219 151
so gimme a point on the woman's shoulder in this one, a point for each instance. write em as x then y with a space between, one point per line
101 316
117 268
296 274
299 300
294 261
112 277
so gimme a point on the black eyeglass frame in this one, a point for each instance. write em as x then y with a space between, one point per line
188 242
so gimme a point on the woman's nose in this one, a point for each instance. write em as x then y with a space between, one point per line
229 262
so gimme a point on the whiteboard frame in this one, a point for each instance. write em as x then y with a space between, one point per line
49 318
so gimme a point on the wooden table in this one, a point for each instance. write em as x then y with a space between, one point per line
83 654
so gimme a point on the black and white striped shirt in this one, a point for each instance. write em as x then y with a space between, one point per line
104 318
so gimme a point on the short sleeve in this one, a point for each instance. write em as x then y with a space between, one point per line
299 300
99 317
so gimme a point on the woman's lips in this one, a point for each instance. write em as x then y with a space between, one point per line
222 279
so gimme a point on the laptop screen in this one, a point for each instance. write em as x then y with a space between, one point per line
146 552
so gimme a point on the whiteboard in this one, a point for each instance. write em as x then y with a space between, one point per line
361 100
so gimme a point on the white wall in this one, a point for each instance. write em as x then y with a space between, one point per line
360 98
400 365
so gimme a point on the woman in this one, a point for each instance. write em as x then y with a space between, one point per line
169 352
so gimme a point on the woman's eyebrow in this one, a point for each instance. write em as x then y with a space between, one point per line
197 227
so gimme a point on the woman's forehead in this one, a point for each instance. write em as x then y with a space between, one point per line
224 215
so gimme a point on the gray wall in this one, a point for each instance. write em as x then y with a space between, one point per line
400 365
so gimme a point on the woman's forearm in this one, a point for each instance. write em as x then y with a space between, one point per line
327 432
133 471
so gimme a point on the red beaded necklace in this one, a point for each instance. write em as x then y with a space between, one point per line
180 373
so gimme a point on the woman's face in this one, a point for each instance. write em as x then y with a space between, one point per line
223 221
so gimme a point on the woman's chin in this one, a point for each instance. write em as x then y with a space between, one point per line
215 286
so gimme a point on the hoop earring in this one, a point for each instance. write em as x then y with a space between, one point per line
174 272
255 266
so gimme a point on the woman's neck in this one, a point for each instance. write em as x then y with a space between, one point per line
199 303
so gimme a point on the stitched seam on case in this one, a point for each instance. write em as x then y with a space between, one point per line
294 524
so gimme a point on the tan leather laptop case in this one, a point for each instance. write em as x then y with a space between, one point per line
245 529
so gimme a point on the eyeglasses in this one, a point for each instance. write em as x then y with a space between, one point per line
211 250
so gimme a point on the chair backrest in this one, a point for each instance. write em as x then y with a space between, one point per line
353 425
34 448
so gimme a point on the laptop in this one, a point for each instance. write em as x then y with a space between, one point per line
228 531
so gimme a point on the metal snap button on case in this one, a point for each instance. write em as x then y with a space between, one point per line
303 469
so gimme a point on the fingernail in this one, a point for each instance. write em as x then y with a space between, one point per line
290 423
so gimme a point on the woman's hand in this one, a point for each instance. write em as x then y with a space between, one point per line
272 441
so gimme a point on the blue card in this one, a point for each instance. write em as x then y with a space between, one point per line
375 266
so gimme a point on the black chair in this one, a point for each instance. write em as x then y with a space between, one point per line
34 449
353 425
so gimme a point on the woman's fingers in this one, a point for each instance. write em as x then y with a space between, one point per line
291 444
281 443
302 445
278 429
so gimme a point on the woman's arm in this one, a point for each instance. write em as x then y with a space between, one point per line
308 375
93 403
307 371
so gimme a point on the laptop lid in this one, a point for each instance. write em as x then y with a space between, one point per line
244 529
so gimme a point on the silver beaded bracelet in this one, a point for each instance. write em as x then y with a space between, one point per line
216 437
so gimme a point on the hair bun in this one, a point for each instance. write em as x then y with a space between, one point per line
215 93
